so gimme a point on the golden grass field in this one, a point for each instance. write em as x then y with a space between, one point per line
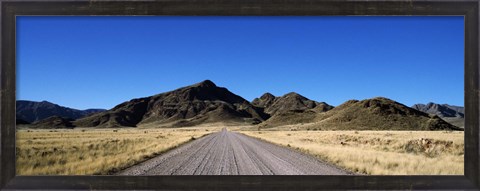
105 151
94 151
379 152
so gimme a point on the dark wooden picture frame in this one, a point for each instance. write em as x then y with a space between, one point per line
12 8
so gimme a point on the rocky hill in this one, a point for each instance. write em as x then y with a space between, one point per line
450 113
442 110
203 102
53 122
264 101
291 108
31 111
379 114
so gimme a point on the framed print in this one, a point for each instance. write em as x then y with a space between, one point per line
235 95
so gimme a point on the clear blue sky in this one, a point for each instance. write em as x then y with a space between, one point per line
99 62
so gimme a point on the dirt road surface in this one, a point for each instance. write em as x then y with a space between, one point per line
230 153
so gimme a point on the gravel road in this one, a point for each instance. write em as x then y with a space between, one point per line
230 153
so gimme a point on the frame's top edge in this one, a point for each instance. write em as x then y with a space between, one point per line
240 7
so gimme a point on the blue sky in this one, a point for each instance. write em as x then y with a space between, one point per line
99 62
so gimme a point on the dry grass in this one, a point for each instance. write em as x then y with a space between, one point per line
94 151
379 152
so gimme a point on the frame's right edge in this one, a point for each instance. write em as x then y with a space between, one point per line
472 95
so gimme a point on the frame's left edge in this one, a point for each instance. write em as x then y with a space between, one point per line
7 94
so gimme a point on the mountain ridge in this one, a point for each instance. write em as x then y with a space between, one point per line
205 102
442 110
186 106
290 108
381 113
31 111
450 113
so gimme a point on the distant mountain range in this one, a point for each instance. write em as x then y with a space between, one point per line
205 103
442 110
450 113
31 111
370 114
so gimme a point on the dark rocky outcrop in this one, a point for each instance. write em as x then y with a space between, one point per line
31 111
192 105
442 110
291 108
53 122
379 114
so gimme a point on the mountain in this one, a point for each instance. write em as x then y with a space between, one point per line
379 114
291 108
266 100
442 110
92 111
203 102
53 122
291 102
31 111
450 113
21 122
